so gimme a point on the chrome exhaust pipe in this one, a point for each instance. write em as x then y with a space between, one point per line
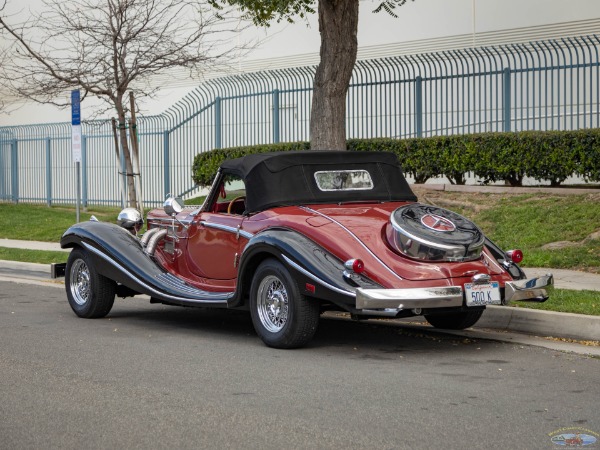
388 312
154 240
147 235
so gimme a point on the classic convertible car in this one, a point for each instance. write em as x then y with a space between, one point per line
290 235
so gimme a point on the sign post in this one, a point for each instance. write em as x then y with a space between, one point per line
76 142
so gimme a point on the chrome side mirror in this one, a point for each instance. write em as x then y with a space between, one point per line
173 206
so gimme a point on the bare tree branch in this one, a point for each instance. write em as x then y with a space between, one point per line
108 47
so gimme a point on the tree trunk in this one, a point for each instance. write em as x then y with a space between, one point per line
131 194
338 25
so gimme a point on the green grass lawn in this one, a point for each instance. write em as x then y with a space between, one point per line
528 222
563 300
30 222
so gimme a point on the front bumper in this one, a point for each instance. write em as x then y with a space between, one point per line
534 289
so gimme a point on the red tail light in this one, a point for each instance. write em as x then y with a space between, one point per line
355 265
515 256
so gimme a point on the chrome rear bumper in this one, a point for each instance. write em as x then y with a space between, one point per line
533 290
434 297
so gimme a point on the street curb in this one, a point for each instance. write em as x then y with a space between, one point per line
546 323
25 270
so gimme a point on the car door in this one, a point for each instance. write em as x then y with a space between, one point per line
216 243
214 249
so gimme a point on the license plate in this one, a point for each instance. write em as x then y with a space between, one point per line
483 294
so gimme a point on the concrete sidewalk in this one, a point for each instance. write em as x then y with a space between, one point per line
33 245
521 320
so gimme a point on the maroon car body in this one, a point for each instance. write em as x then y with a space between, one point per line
305 232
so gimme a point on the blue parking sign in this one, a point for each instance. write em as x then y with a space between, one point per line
75 108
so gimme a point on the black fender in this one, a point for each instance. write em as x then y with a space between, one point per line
309 264
119 256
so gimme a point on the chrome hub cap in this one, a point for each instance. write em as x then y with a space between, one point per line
272 303
80 282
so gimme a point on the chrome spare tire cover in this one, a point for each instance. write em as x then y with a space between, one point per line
430 233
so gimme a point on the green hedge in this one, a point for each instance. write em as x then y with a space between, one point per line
543 155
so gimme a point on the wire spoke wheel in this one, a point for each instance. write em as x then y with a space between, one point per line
80 282
272 303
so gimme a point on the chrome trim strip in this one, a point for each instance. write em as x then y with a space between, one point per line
355 237
233 230
169 220
316 279
222 296
531 290
410 298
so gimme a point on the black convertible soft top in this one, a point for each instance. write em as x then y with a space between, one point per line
288 178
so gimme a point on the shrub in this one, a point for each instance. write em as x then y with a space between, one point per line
544 155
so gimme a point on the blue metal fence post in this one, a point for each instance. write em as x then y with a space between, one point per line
166 164
506 100
419 106
276 116
218 130
4 177
49 172
84 172
14 167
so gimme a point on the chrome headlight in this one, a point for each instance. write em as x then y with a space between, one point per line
130 219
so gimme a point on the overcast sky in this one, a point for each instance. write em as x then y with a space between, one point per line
421 19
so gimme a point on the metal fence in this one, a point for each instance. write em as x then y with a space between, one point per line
547 85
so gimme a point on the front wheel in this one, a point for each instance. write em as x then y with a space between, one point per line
90 294
281 315
454 321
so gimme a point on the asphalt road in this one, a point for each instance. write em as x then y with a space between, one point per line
152 376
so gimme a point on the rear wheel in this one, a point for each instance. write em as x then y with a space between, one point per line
90 294
454 321
282 316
